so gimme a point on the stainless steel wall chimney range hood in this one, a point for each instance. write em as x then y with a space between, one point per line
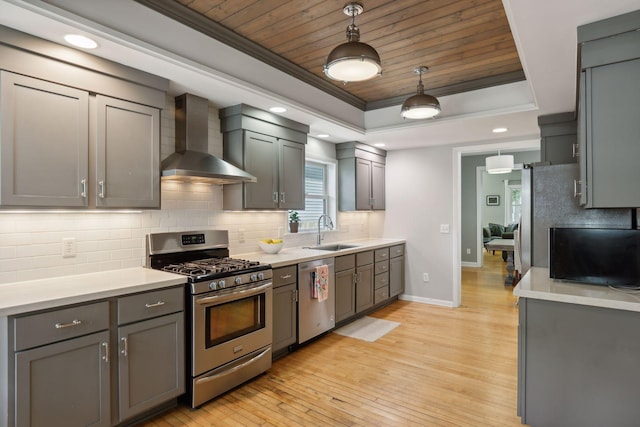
191 161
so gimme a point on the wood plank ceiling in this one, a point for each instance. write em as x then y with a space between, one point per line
467 44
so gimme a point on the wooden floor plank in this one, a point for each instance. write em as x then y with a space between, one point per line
440 367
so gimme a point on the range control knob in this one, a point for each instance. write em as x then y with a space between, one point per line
213 286
238 280
221 284
261 276
254 277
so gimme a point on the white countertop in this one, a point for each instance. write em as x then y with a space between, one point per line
22 297
288 256
537 284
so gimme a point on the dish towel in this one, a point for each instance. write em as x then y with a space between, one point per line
321 283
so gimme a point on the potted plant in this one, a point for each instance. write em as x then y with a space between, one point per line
294 221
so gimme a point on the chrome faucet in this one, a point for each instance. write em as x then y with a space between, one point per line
330 226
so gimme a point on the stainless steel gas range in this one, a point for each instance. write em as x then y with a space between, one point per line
229 309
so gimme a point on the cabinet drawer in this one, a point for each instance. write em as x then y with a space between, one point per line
382 254
381 280
150 304
364 258
284 276
380 295
345 262
44 328
396 251
381 267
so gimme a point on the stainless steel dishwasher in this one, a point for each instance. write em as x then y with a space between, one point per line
315 316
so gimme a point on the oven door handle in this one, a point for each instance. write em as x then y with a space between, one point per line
219 299
235 368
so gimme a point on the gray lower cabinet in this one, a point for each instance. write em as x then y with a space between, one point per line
34 116
381 279
127 155
345 287
396 270
577 365
364 281
285 297
64 384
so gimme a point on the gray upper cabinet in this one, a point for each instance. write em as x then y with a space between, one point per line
361 177
609 102
44 135
127 155
270 148
558 138
68 138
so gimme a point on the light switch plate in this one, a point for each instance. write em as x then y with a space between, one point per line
444 228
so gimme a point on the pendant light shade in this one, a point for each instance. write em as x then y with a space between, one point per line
353 61
420 105
499 164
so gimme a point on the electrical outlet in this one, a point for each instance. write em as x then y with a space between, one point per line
241 235
468 251
69 247
425 277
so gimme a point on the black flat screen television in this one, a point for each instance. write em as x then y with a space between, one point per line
595 255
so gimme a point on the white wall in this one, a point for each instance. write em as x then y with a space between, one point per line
420 197
31 242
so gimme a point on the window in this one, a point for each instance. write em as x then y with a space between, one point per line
514 203
319 179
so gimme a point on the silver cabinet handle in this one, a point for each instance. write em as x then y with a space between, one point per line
125 346
101 185
294 293
575 150
275 197
106 352
287 276
83 186
355 277
282 200
75 322
156 304
576 182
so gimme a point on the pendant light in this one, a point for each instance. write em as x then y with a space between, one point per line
499 164
420 105
353 61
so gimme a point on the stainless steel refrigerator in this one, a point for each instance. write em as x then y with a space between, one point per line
548 201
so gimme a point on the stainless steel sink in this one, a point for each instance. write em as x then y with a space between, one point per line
336 247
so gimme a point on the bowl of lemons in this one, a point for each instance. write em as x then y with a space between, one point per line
271 246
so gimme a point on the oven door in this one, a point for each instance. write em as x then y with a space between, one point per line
229 324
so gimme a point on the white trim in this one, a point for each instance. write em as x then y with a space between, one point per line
456 201
423 300
470 264
479 208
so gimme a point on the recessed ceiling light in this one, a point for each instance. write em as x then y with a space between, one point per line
79 40
323 135
499 130
277 109
379 144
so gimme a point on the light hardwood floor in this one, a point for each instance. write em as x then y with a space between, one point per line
440 367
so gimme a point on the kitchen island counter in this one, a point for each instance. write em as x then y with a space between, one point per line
536 284
289 256
22 297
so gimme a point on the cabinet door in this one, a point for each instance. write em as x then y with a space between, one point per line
377 186
261 161
364 288
580 186
284 317
291 179
44 135
396 276
345 294
64 384
151 367
363 184
127 154
612 135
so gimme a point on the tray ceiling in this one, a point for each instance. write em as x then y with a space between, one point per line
466 44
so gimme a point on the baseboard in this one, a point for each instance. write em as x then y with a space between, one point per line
469 264
424 300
